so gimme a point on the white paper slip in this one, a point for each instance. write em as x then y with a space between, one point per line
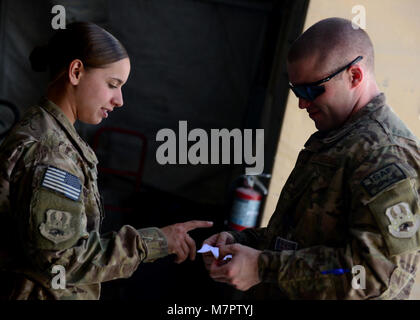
206 248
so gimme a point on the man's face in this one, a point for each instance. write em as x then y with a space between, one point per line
332 108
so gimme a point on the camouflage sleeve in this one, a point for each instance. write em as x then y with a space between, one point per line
249 237
155 243
380 257
53 226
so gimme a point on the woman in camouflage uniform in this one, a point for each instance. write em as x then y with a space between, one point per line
49 200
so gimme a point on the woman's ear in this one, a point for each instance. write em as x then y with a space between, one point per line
76 70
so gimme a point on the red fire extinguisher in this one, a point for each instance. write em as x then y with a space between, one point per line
246 203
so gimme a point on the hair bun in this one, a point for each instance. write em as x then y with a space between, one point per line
39 59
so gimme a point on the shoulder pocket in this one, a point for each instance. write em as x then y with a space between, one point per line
397 213
57 220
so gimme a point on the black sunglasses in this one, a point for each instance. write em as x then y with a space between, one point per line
311 91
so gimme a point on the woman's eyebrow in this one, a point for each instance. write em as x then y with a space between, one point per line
118 80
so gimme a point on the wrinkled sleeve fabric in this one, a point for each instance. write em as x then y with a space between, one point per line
382 182
249 237
53 226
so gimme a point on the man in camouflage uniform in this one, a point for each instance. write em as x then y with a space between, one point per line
51 213
352 198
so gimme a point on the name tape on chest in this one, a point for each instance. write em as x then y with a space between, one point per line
63 182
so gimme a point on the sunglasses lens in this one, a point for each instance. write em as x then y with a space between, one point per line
309 93
315 91
299 92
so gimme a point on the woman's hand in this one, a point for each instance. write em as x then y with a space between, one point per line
180 242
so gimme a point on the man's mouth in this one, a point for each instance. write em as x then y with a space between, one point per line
313 112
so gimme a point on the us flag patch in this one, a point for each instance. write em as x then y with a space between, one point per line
62 182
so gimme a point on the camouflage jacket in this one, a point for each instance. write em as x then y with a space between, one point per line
351 200
51 213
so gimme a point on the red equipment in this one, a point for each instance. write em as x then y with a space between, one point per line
247 203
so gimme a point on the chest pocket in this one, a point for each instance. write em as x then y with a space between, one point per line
319 217
94 207
298 181
283 221
327 187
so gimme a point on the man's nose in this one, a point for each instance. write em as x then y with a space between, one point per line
303 104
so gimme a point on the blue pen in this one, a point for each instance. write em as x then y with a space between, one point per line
335 271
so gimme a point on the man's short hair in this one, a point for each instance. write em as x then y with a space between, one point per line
335 43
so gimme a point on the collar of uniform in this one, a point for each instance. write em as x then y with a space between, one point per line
62 119
321 139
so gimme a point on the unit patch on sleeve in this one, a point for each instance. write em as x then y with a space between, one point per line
404 224
62 182
383 178
56 227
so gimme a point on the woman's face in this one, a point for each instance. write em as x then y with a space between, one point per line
99 91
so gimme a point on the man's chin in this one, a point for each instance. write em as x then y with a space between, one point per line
325 127
322 126
318 126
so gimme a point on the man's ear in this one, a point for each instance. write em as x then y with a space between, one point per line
76 70
356 76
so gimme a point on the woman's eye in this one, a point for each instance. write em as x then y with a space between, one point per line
111 86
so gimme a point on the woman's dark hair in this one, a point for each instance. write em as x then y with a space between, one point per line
86 41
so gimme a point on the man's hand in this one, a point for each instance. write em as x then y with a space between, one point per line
216 240
179 241
240 272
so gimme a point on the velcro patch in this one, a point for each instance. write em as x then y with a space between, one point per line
383 178
63 182
404 224
283 244
57 227
395 211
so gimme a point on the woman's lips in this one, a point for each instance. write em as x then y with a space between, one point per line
104 112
